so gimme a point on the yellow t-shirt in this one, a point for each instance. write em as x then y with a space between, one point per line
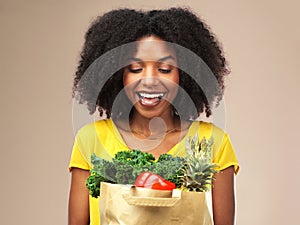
103 139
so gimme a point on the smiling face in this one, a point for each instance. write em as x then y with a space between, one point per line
151 77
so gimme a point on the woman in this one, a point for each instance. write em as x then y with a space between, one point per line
141 70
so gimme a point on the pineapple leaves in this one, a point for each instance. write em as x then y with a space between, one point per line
198 172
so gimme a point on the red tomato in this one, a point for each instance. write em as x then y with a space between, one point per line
153 181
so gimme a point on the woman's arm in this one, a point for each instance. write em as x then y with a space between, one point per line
223 197
79 198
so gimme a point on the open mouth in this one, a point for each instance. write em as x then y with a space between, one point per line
150 99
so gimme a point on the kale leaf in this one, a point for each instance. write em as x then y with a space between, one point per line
126 166
170 168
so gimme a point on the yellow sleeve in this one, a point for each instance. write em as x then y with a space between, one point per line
89 140
77 159
225 156
84 146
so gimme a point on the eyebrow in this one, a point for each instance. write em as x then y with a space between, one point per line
166 58
160 60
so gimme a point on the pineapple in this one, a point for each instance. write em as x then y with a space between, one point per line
198 171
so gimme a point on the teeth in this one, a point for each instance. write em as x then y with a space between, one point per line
154 95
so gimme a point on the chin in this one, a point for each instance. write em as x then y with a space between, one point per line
151 112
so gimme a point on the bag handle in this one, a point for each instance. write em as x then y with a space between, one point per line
151 201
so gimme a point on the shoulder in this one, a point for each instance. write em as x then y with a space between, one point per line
94 126
209 127
93 138
210 130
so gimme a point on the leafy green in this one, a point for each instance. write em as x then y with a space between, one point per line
170 168
135 158
102 171
127 165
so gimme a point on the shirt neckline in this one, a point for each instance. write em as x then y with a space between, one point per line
192 130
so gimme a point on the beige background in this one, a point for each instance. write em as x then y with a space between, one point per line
39 48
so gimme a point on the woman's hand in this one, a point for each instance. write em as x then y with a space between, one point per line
79 198
223 197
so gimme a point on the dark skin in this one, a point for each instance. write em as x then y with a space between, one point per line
79 198
223 197
151 77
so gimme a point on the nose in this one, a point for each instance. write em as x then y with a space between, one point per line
149 81
150 77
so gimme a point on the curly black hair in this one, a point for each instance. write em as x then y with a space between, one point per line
122 26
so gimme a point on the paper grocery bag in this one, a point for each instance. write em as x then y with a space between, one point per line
129 205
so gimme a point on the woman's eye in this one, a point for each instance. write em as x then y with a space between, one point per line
164 70
135 70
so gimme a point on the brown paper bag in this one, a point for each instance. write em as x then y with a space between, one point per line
129 205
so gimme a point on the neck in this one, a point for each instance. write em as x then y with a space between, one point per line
153 126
